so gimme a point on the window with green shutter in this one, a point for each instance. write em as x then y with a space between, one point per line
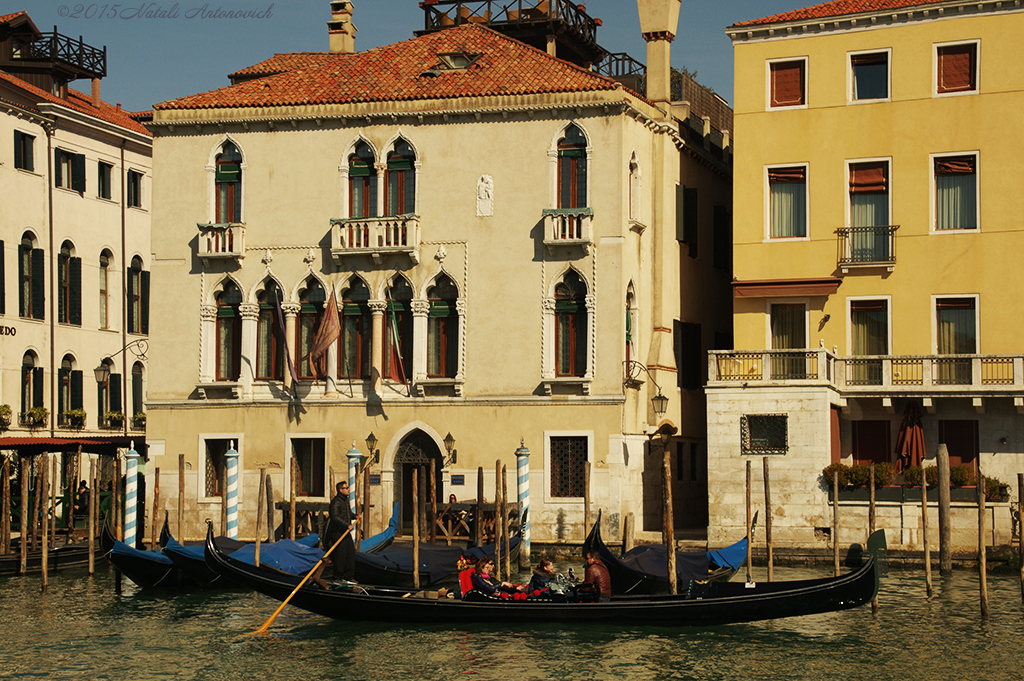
103 184
24 151
362 182
401 180
134 189
228 184
443 329
69 170
571 326
229 333
356 331
572 169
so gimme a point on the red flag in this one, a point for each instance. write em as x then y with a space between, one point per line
328 334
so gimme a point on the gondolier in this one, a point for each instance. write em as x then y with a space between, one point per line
343 558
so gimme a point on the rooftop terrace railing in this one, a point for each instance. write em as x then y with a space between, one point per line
64 49
446 13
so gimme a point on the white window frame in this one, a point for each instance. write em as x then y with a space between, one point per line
977 319
846 183
211 178
849 321
768 238
768 83
548 434
888 75
326 437
239 439
768 319
977 68
933 216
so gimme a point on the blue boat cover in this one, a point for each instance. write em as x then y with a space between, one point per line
437 561
196 552
731 556
479 552
370 543
653 559
296 557
156 556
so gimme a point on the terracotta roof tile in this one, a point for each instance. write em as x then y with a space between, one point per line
7 17
286 61
397 73
837 8
80 102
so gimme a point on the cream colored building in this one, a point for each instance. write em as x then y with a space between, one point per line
76 177
498 227
877 221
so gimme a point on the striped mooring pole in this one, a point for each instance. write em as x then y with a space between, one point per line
231 466
131 496
523 484
354 455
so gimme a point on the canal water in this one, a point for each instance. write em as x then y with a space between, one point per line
80 629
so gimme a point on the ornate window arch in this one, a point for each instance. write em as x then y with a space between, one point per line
571 153
228 341
362 181
270 356
356 331
398 330
312 299
226 169
443 328
400 178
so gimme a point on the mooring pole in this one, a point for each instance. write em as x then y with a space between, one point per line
154 539
44 492
23 492
118 522
497 518
131 504
586 498
523 483
504 523
835 522
871 521
260 495
92 515
1020 530
417 474
271 530
768 522
479 514
670 528
924 537
945 532
982 558
5 528
181 497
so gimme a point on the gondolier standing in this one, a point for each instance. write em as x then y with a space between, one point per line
344 557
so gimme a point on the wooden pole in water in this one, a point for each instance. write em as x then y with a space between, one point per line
74 491
365 523
53 500
924 537
586 498
768 522
271 530
669 522
37 505
504 523
871 521
259 513
479 513
628 533
23 491
154 540
417 475
749 538
945 532
1020 528
982 557
291 500
44 492
835 522
118 510
5 528
92 515
498 524
181 497
432 496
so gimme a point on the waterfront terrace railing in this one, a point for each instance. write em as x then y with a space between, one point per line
64 49
903 374
867 246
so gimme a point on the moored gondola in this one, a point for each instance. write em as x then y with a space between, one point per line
708 604
146 568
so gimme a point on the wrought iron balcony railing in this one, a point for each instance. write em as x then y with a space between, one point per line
446 13
376 237
63 49
867 247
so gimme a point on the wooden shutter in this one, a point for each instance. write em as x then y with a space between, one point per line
787 83
689 359
76 390
62 259
690 221
38 285
581 180
410 191
115 392
58 173
37 386
78 172
19 159
144 302
722 239
75 292
128 302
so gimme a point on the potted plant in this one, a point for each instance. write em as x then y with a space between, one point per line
75 418
139 420
842 469
36 417
885 473
996 490
5 416
961 476
859 475
114 419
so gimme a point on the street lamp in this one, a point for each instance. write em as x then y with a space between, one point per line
453 454
659 401
372 453
139 348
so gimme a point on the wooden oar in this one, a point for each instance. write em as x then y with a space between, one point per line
266 625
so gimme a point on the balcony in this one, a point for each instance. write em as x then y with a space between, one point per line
81 60
221 241
568 227
952 375
376 237
867 247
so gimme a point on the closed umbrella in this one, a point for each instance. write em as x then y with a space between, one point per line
910 440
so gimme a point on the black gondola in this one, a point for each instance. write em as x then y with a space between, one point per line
644 569
145 568
715 603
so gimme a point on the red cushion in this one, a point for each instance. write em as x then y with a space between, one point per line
465 581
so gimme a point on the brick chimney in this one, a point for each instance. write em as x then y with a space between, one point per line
96 92
340 29
659 20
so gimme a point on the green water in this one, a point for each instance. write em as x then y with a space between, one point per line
80 629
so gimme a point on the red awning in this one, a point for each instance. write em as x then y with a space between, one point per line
785 288
98 445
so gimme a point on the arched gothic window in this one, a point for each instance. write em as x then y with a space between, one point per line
443 329
356 331
270 335
400 198
398 331
571 326
228 180
362 182
311 310
229 333
572 169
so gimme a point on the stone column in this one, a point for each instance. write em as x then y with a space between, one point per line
377 308
291 319
331 381
420 312
208 343
250 313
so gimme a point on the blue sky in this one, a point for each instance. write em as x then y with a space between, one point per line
150 60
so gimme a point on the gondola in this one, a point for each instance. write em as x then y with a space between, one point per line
704 604
61 557
382 540
146 568
644 569
393 566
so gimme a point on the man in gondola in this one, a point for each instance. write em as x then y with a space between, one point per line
597 574
343 558
82 502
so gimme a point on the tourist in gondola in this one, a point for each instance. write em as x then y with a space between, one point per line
483 580
597 574
343 558
544 576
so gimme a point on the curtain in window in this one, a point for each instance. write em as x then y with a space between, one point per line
572 169
398 332
401 180
270 351
788 188
788 327
362 180
869 335
356 330
956 68
229 334
787 82
955 193
956 328
869 207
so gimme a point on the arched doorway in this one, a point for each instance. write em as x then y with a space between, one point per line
416 451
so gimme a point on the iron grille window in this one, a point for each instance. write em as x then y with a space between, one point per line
215 467
764 434
568 459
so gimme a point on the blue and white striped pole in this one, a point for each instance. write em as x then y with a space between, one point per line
523 480
231 465
131 496
354 456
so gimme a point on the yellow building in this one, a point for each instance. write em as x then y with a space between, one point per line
877 225
498 226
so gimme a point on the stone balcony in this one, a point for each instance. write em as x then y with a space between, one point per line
376 237
883 376
221 241
568 227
